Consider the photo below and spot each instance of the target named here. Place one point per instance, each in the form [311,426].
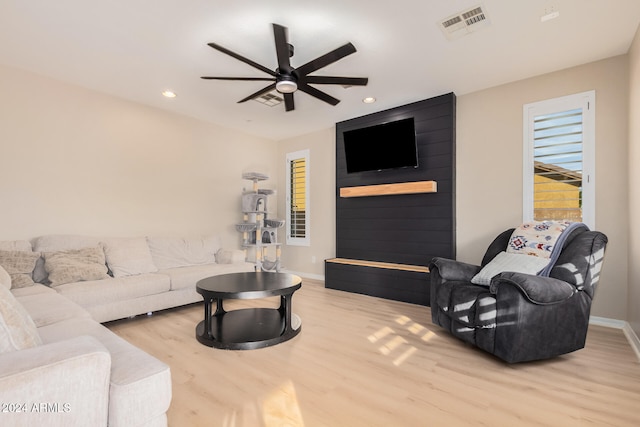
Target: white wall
[489,165]
[77,161]
[302,259]
[489,171]
[634,184]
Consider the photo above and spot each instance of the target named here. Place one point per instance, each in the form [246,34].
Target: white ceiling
[135,49]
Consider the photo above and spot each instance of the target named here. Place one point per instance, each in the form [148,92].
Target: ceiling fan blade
[282,47]
[288,102]
[251,79]
[259,93]
[326,59]
[243,59]
[323,96]
[330,80]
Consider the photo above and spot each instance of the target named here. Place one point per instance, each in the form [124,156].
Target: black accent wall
[402,229]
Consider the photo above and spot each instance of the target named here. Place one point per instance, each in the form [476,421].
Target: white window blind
[559,159]
[298,198]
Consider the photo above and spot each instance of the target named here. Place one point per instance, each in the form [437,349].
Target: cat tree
[259,233]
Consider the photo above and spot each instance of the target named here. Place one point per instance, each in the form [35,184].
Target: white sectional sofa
[58,364]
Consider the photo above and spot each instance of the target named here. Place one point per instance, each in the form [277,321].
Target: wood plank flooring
[365,361]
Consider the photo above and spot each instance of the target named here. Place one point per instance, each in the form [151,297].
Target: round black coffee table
[248,328]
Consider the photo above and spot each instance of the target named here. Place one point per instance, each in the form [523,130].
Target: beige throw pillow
[75,265]
[17,330]
[55,243]
[19,265]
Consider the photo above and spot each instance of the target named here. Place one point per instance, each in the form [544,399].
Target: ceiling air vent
[270,99]
[465,22]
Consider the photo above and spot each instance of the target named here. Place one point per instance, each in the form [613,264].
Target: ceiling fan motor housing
[286,83]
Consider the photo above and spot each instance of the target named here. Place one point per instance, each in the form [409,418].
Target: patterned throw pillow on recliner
[530,250]
[536,238]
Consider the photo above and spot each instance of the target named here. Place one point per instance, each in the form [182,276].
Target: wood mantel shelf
[390,189]
[377,264]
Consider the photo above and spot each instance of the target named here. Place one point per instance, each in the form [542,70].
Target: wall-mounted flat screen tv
[389,145]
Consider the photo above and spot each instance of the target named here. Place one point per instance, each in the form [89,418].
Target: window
[298,198]
[559,159]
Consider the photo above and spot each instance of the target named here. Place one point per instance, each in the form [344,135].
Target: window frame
[306,240]
[587,102]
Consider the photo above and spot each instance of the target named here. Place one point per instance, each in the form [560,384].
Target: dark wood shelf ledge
[390,189]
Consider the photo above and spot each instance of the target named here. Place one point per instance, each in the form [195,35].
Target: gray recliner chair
[521,317]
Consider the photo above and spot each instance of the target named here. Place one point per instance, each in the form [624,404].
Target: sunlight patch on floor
[404,356]
[281,407]
[394,344]
[403,320]
[247,415]
[381,333]
[428,335]
[230,420]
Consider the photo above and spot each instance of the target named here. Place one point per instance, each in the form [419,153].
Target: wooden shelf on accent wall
[390,189]
[377,264]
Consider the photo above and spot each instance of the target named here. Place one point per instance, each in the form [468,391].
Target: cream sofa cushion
[15,245]
[128,256]
[135,375]
[20,266]
[75,265]
[60,384]
[171,252]
[63,242]
[47,308]
[17,330]
[36,289]
[230,256]
[187,277]
[5,278]
[116,289]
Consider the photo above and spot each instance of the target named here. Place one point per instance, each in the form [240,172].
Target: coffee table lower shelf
[248,329]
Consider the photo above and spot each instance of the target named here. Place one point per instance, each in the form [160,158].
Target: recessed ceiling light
[369,100]
[169,94]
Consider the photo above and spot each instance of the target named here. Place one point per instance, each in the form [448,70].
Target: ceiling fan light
[286,86]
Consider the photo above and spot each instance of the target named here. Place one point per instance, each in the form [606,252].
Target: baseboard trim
[632,338]
[629,333]
[305,275]
[606,322]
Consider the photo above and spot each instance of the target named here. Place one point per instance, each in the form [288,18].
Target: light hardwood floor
[364,361]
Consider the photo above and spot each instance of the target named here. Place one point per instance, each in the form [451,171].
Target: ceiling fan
[287,79]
